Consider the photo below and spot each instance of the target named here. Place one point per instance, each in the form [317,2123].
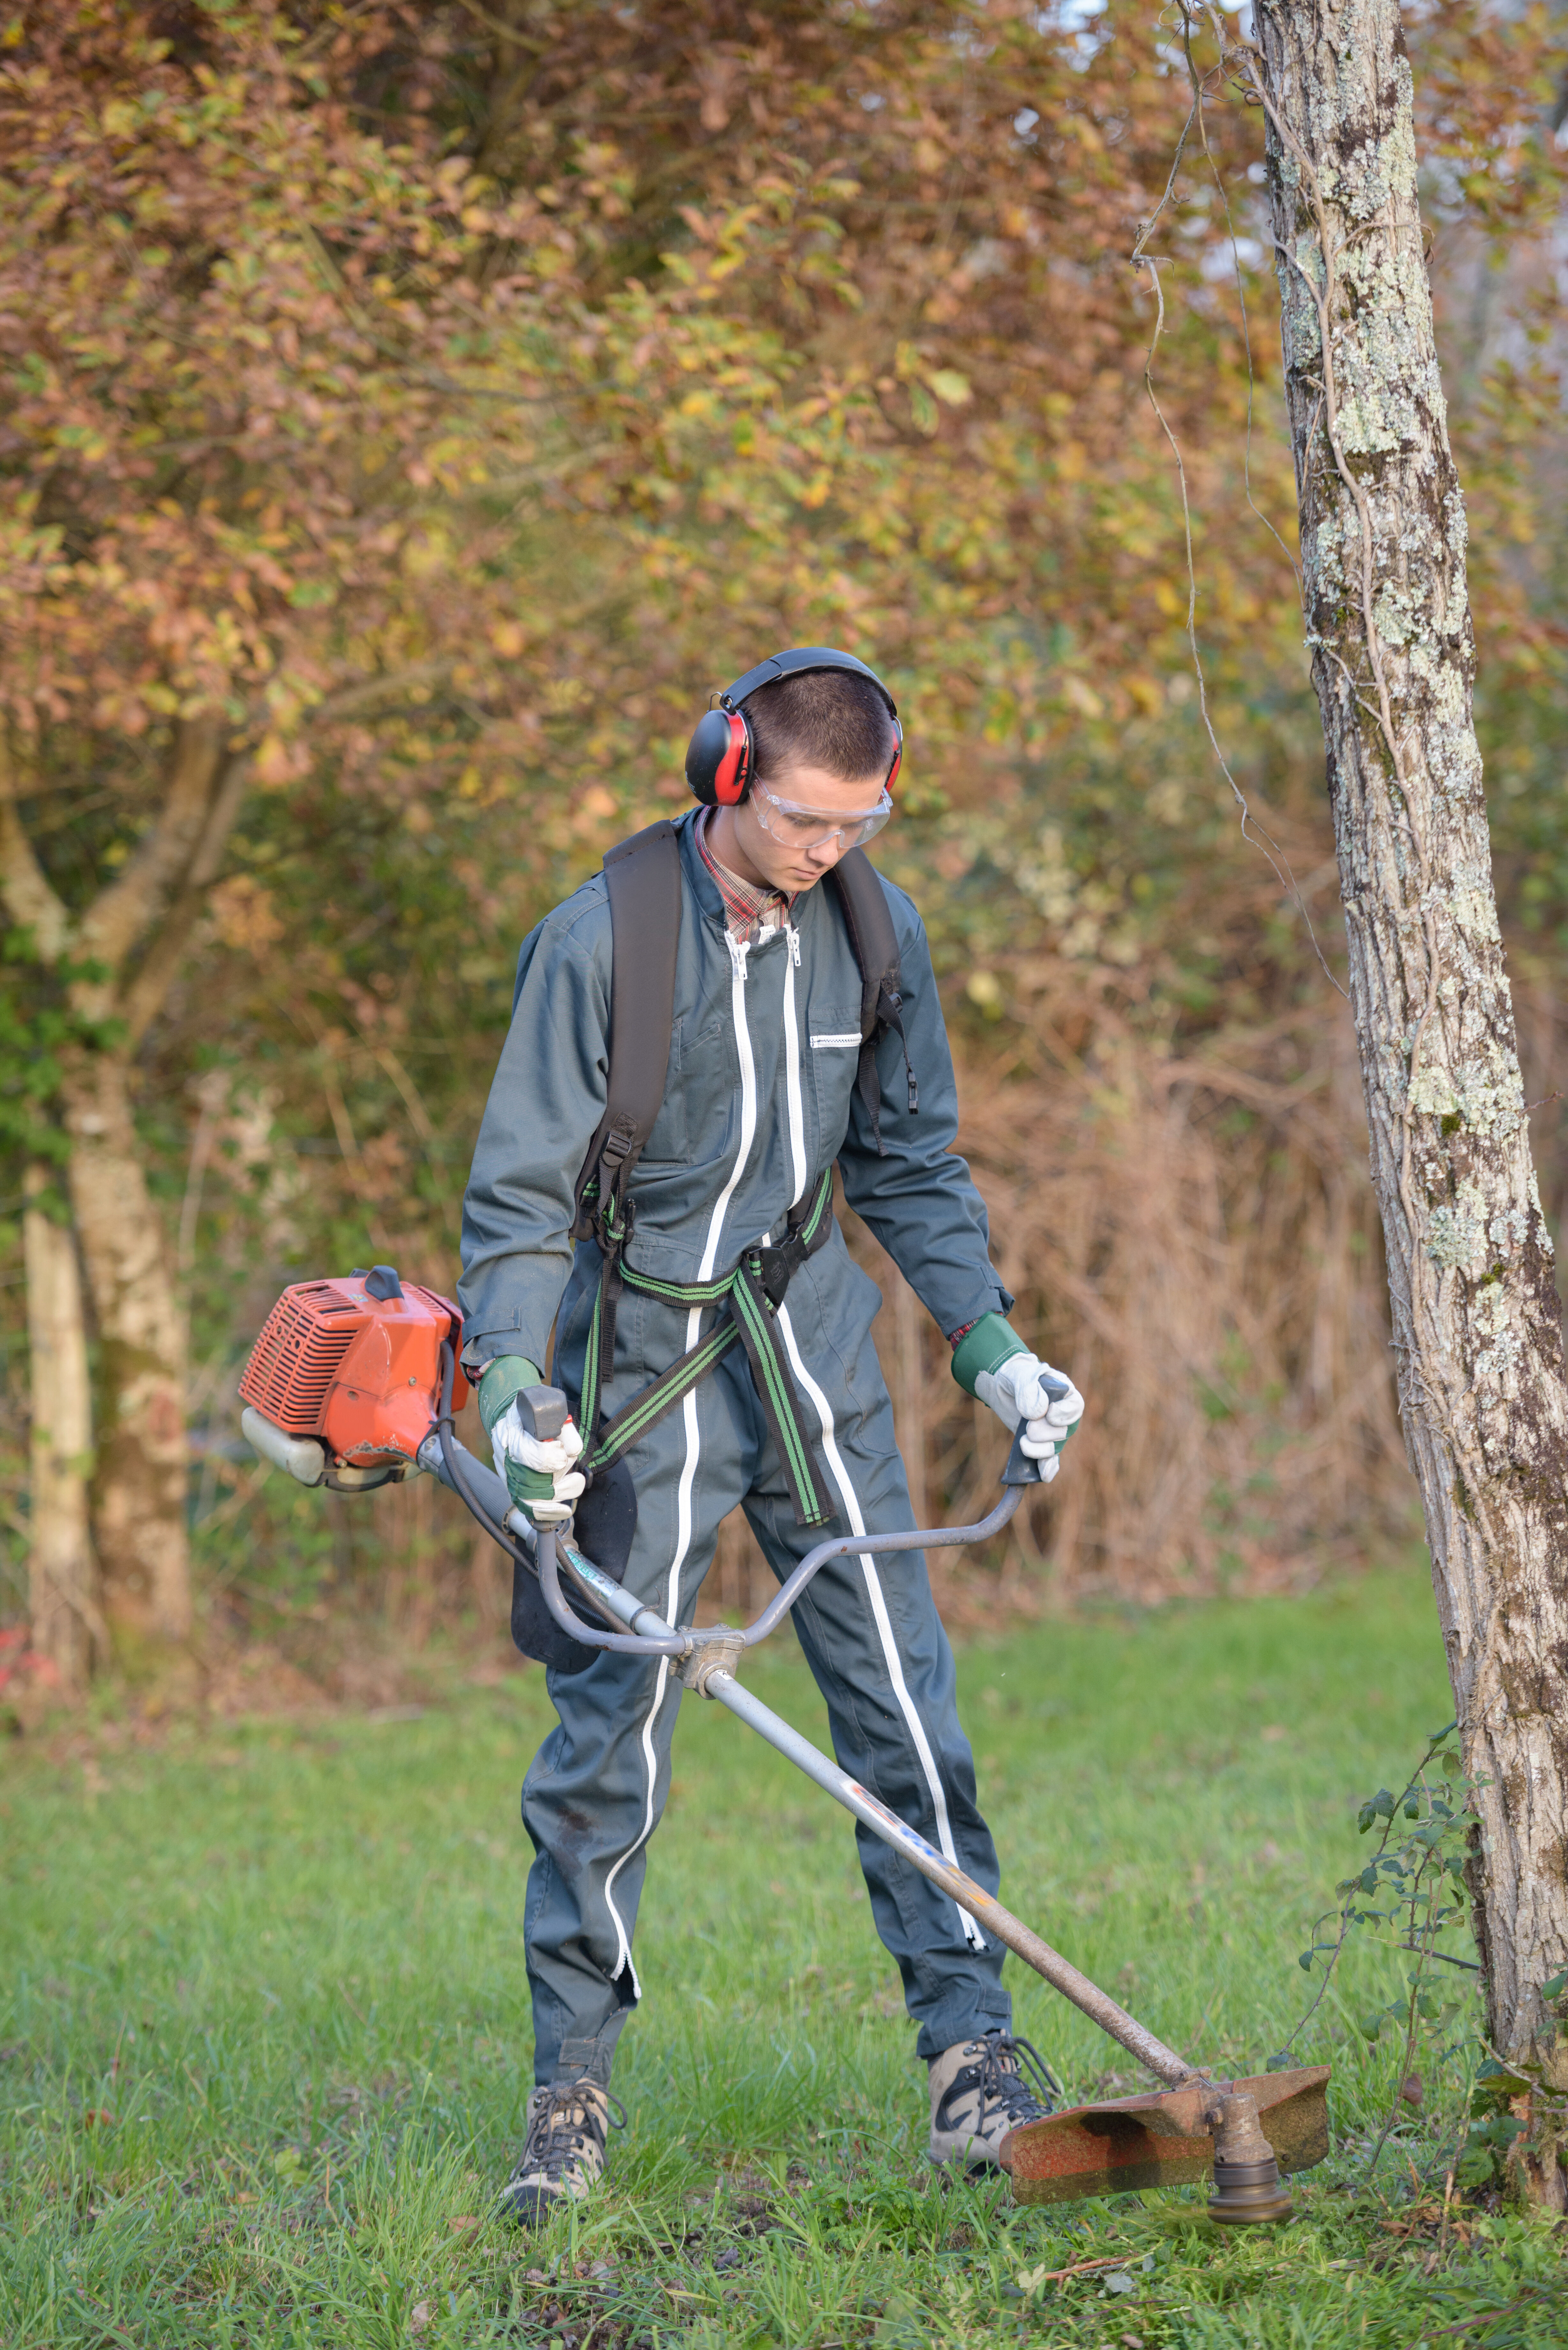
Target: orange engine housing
[360,1372]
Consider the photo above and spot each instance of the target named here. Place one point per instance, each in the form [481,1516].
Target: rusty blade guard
[1161,2139]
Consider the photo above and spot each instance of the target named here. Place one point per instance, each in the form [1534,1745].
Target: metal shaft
[1058,1972]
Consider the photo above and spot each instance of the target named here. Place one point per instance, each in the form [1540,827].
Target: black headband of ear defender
[720,755]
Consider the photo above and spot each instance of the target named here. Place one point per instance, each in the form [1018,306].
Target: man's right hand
[540,1472]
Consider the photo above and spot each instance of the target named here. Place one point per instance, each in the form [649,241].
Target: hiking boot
[563,2152]
[979,2092]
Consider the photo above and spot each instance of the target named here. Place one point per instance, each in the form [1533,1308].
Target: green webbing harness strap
[752,1291]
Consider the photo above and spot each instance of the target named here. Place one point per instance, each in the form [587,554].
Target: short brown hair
[828,718]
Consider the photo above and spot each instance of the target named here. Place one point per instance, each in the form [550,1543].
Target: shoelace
[563,2127]
[1018,2089]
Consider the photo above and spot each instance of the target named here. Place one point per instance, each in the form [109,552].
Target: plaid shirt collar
[750,909]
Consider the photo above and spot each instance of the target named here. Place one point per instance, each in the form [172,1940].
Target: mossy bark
[67,1627]
[143,1450]
[1477,1322]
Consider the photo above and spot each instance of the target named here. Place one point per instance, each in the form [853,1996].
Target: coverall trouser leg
[876,1645]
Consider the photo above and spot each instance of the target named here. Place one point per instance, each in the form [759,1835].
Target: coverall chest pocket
[832,1043]
[694,1117]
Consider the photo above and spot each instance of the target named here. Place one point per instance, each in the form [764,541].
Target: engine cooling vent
[296,1359]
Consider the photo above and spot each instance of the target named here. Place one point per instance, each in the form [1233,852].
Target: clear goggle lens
[794,826]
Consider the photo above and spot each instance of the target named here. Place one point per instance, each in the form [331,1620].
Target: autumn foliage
[413,412]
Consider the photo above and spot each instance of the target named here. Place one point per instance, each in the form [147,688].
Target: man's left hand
[1027,1393]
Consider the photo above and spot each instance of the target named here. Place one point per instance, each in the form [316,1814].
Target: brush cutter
[354,1382]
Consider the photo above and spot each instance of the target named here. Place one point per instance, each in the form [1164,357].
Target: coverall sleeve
[544,1105]
[920,1199]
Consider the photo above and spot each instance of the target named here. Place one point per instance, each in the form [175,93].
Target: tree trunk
[125,948]
[143,1454]
[1477,1323]
[67,1627]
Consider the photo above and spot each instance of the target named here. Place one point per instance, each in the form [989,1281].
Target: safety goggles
[794,826]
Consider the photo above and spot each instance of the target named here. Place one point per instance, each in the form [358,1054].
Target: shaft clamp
[716,1650]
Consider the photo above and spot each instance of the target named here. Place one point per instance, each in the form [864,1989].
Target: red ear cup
[719,758]
[898,757]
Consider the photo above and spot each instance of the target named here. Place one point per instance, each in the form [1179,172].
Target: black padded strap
[801,658]
[642,876]
[875,945]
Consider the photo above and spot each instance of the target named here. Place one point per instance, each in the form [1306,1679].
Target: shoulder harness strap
[875,945]
[642,876]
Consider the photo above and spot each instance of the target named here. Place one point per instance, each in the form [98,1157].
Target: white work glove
[1018,1395]
[554,1457]
[539,1472]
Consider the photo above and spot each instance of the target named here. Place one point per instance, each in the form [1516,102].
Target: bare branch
[124,912]
[30,897]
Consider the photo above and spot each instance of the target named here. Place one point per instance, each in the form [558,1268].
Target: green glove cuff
[527,1485]
[506,1378]
[992,1342]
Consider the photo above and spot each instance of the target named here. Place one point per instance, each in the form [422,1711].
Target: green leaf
[1281,2061]
[1372,2026]
[1556,1985]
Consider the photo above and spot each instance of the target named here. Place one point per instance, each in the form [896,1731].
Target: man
[766,1092]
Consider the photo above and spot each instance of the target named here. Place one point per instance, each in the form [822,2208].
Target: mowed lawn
[265,2031]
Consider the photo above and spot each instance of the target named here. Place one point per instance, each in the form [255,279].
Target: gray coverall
[760,1100]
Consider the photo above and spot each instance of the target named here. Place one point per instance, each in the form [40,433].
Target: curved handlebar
[542,1549]
[655,1637]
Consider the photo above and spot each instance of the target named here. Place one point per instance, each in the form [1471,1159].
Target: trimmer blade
[1161,2140]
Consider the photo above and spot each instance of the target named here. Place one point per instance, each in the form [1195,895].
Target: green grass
[267,2039]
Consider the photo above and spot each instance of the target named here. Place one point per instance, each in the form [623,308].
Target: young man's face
[762,841]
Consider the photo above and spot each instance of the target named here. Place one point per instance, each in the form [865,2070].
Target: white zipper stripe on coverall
[846,1493]
[739,949]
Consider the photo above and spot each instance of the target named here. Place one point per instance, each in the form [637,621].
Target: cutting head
[1167,2139]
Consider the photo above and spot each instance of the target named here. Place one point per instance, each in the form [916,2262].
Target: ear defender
[719,758]
[722,753]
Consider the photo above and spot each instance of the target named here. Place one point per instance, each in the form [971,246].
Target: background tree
[264,364]
[1477,1331]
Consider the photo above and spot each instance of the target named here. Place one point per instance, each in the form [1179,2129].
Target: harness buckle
[618,1142]
[776,1268]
